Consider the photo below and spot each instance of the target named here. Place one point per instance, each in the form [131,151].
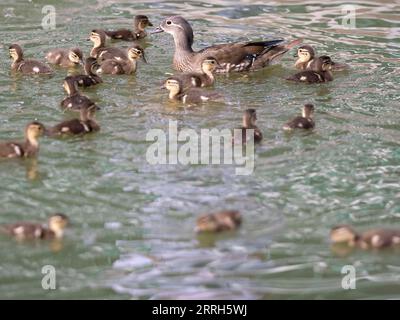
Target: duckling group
[196,70]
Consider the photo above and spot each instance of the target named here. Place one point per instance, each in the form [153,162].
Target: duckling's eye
[169,22]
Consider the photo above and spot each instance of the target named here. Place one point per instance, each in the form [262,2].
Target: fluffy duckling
[30,230]
[322,73]
[248,122]
[227,220]
[196,79]
[86,124]
[75,100]
[191,95]
[371,239]
[129,66]
[100,51]
[305,121]
[66,58]
[28,148]
[26,66]
[140,23]
[90,78]
[307,60]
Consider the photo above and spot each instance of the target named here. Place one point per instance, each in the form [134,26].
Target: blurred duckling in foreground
[28,148]
[307,60]
[30,230]
[66,58]
[190,95]
[128,66]
[86,124]
[248,123]
[305,121]
[90,78]
[26,66]
[322,72]
[140,23]
[371,239]
[75,100]
[227,220]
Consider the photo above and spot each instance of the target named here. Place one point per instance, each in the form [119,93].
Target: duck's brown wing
[307,76]
[112,53]
[34,67]
[299,123]
[76,102]
[23,229]
[70,127]
[54,56]
[189,79]
[111,66]
[121,34]
[86,81]
[11,150]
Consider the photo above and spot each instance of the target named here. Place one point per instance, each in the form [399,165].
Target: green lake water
[132,235]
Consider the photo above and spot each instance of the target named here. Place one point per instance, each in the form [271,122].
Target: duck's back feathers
[32,67]
[11,150]
[299,123]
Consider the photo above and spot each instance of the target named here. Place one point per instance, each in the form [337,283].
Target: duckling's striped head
[34,130]
[135,53]
[308,110]
[69,85]
[140,22]
[172,84]
[15,52]
[209,64]
[75,55]
[91,65]
[343,234]
[98,37]
[305,53]
[57,223]
[249,118]
[325,63]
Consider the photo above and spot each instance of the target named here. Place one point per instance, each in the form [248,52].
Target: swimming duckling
[195,79]
[30,230]
[100,51]
[89,78]
[249,122]
[128,66]
[305,121]
[307,60]
[371,239]
[86,124]
[191,95]
[75,100]
[26,66]
[28,148]
[227,220]
[322,72]
[65,58]
[140,23]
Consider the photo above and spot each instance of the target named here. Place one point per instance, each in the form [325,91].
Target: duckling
[307,60]
[191,95]
[140,23]
[65,58]
[233,57]
[128,66]
[75,100]
[86,124]
[26,66]
[371,239]
[30,230]
[322,72]
[204,79]
[89,78]
[226,220]
[100,51]
[249,122]
[28,148]
[305,121]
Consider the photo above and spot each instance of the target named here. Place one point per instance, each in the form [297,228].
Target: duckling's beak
[88,39]
[144,58]
[157,30]
[81,63]
[296,55]
[149,24]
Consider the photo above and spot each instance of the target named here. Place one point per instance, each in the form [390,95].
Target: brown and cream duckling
[86,124]
[204,79]
[30,230]
[305,121]
[100,51]
[28,148]
[232,57]
[307,60]
[190,95]
[129,66]
[26,66]
[65,58]
[322,72]
[75,100]
[140,22]
[227,220]
[90,78]
[248,122]
[371,239]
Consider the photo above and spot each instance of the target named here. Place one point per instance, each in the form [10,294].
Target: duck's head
[343,234]
[173,85]
[33,131]
[249,118]
[220,221]
[308,110]
[69,85]
[15,52]
[209,64]
[324,63]
[57,223]
[90,65]
[98,37]
[140,22]
[136,52]
[305,53]
[75,55]
[178,27]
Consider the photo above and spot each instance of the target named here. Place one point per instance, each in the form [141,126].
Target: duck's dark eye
[169,22]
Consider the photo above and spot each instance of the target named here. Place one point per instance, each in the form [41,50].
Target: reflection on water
[132,223]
